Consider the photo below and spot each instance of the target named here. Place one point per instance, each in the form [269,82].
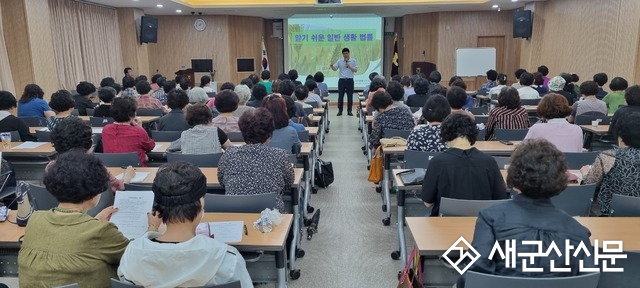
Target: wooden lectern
[422,67]
[188,74]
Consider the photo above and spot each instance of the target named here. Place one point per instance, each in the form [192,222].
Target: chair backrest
[120,284]
[119,159]
[481,135]
[89,111]
[587,118]
[479,110]
[576,160]
[149,112]
[100,121]
[481,119]
[575,200]
[15,136]
[503,162]
[510,134]
[75,112]
[625,206]
[235,137]
[40,198]
[461,207]
[418,159]
[622,279]
[303,136]
[239,203]
[106,199]
[481,280]
[165,136]
[200,160]
[308,111]
[532,102]
[34,121]
[136,187]
[42,136]
[314,104]
[211,94]
[415,109]
[388,133]
[235,284]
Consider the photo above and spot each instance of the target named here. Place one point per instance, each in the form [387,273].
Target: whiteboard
[475,61]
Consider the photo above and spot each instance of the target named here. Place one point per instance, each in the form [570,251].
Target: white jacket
[198,262]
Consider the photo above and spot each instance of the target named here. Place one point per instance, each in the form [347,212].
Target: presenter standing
[347,66]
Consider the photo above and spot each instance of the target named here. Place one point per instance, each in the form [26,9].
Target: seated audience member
[226,103]
[569,88]
[106,96]
[118,89]
[538,84]
[145,100]
[323,89]
[197,95]
[601,79]
[244,94]
[462,171]
[574,81]
[128,86]
[615,98]
[468,104]
[284,136]
[82,101]
[405,81]
[293,76]
[378,84]
[154,82]
[537,172]
[313,96]
[434,79]
[258,93]
[160,93]
[203,137]
[525,91]
[179,256]
[65,245]
[544,70]
[286,87]
[256,168]
[492,75]
[554,108]
[389,117]
[185,84]
[8,122]
[632,96]
[302,94]
[508,114]
[126,134]
[590,104]
[205,83]
[558,85]
[501,80]
[427,137]
[457,98]
[518,73]
[32,104]
[107,82]
[421,86]
[297,123]
[175,120]
[616,171]
[265,77]
[397,92]
[253,79]
[365,89]
[62,103]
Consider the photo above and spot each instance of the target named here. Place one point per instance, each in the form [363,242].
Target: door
[498,43]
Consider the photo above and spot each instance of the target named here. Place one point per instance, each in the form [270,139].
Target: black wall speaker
[149,29]
[522,24]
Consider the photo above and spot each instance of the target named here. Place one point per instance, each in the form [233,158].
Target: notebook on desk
[412,176]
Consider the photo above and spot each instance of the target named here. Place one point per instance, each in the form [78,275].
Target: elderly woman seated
[64,245]
[389,117]
[62,103]
[284,136]
[537,172]
[203,138]
[226,104]
[616,171]
[244,94]
[179,257]
[256,168]
[126,134]
[427,137]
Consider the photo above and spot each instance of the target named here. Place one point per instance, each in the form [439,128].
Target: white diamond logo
[471,254]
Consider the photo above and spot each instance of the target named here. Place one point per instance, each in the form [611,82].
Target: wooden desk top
[483,97]
[144,119]
[313,131]
[318,111]
[484,146]
[306,149]
[44,150]
[600,129]
[32,130]
[434,235]
[314,118]
[210,173]
[254,241]
[369,118]
[363,103]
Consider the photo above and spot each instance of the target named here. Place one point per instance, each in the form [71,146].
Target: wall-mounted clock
[200,25]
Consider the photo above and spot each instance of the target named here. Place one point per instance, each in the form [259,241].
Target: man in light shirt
[347,67]
[525,91]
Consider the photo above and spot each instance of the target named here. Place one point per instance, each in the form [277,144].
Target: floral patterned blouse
[426,138]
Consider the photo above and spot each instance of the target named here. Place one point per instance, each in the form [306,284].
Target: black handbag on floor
[323,173]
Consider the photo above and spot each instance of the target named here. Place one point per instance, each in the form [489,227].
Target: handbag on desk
[376,169]
[412,274]
[393,141]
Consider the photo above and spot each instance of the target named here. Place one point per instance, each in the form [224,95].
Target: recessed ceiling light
[495,6]
[178,11]
[514,0]
[159,6]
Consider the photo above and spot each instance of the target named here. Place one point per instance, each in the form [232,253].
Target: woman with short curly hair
[62,103]
[554,108]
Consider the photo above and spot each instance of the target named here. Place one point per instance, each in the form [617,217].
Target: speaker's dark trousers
[345,85]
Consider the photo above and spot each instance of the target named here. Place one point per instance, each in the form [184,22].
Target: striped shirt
[505,118]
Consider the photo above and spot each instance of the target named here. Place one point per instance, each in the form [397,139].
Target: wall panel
[419,34]
[16,31]
[134,54]
[245,38]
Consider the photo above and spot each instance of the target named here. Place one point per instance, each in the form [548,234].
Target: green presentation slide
[315,43]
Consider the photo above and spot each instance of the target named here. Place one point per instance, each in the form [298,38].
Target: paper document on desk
[29,145]
[45,129]
[140,176]
[157,147]
[131,218]
[225,231]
